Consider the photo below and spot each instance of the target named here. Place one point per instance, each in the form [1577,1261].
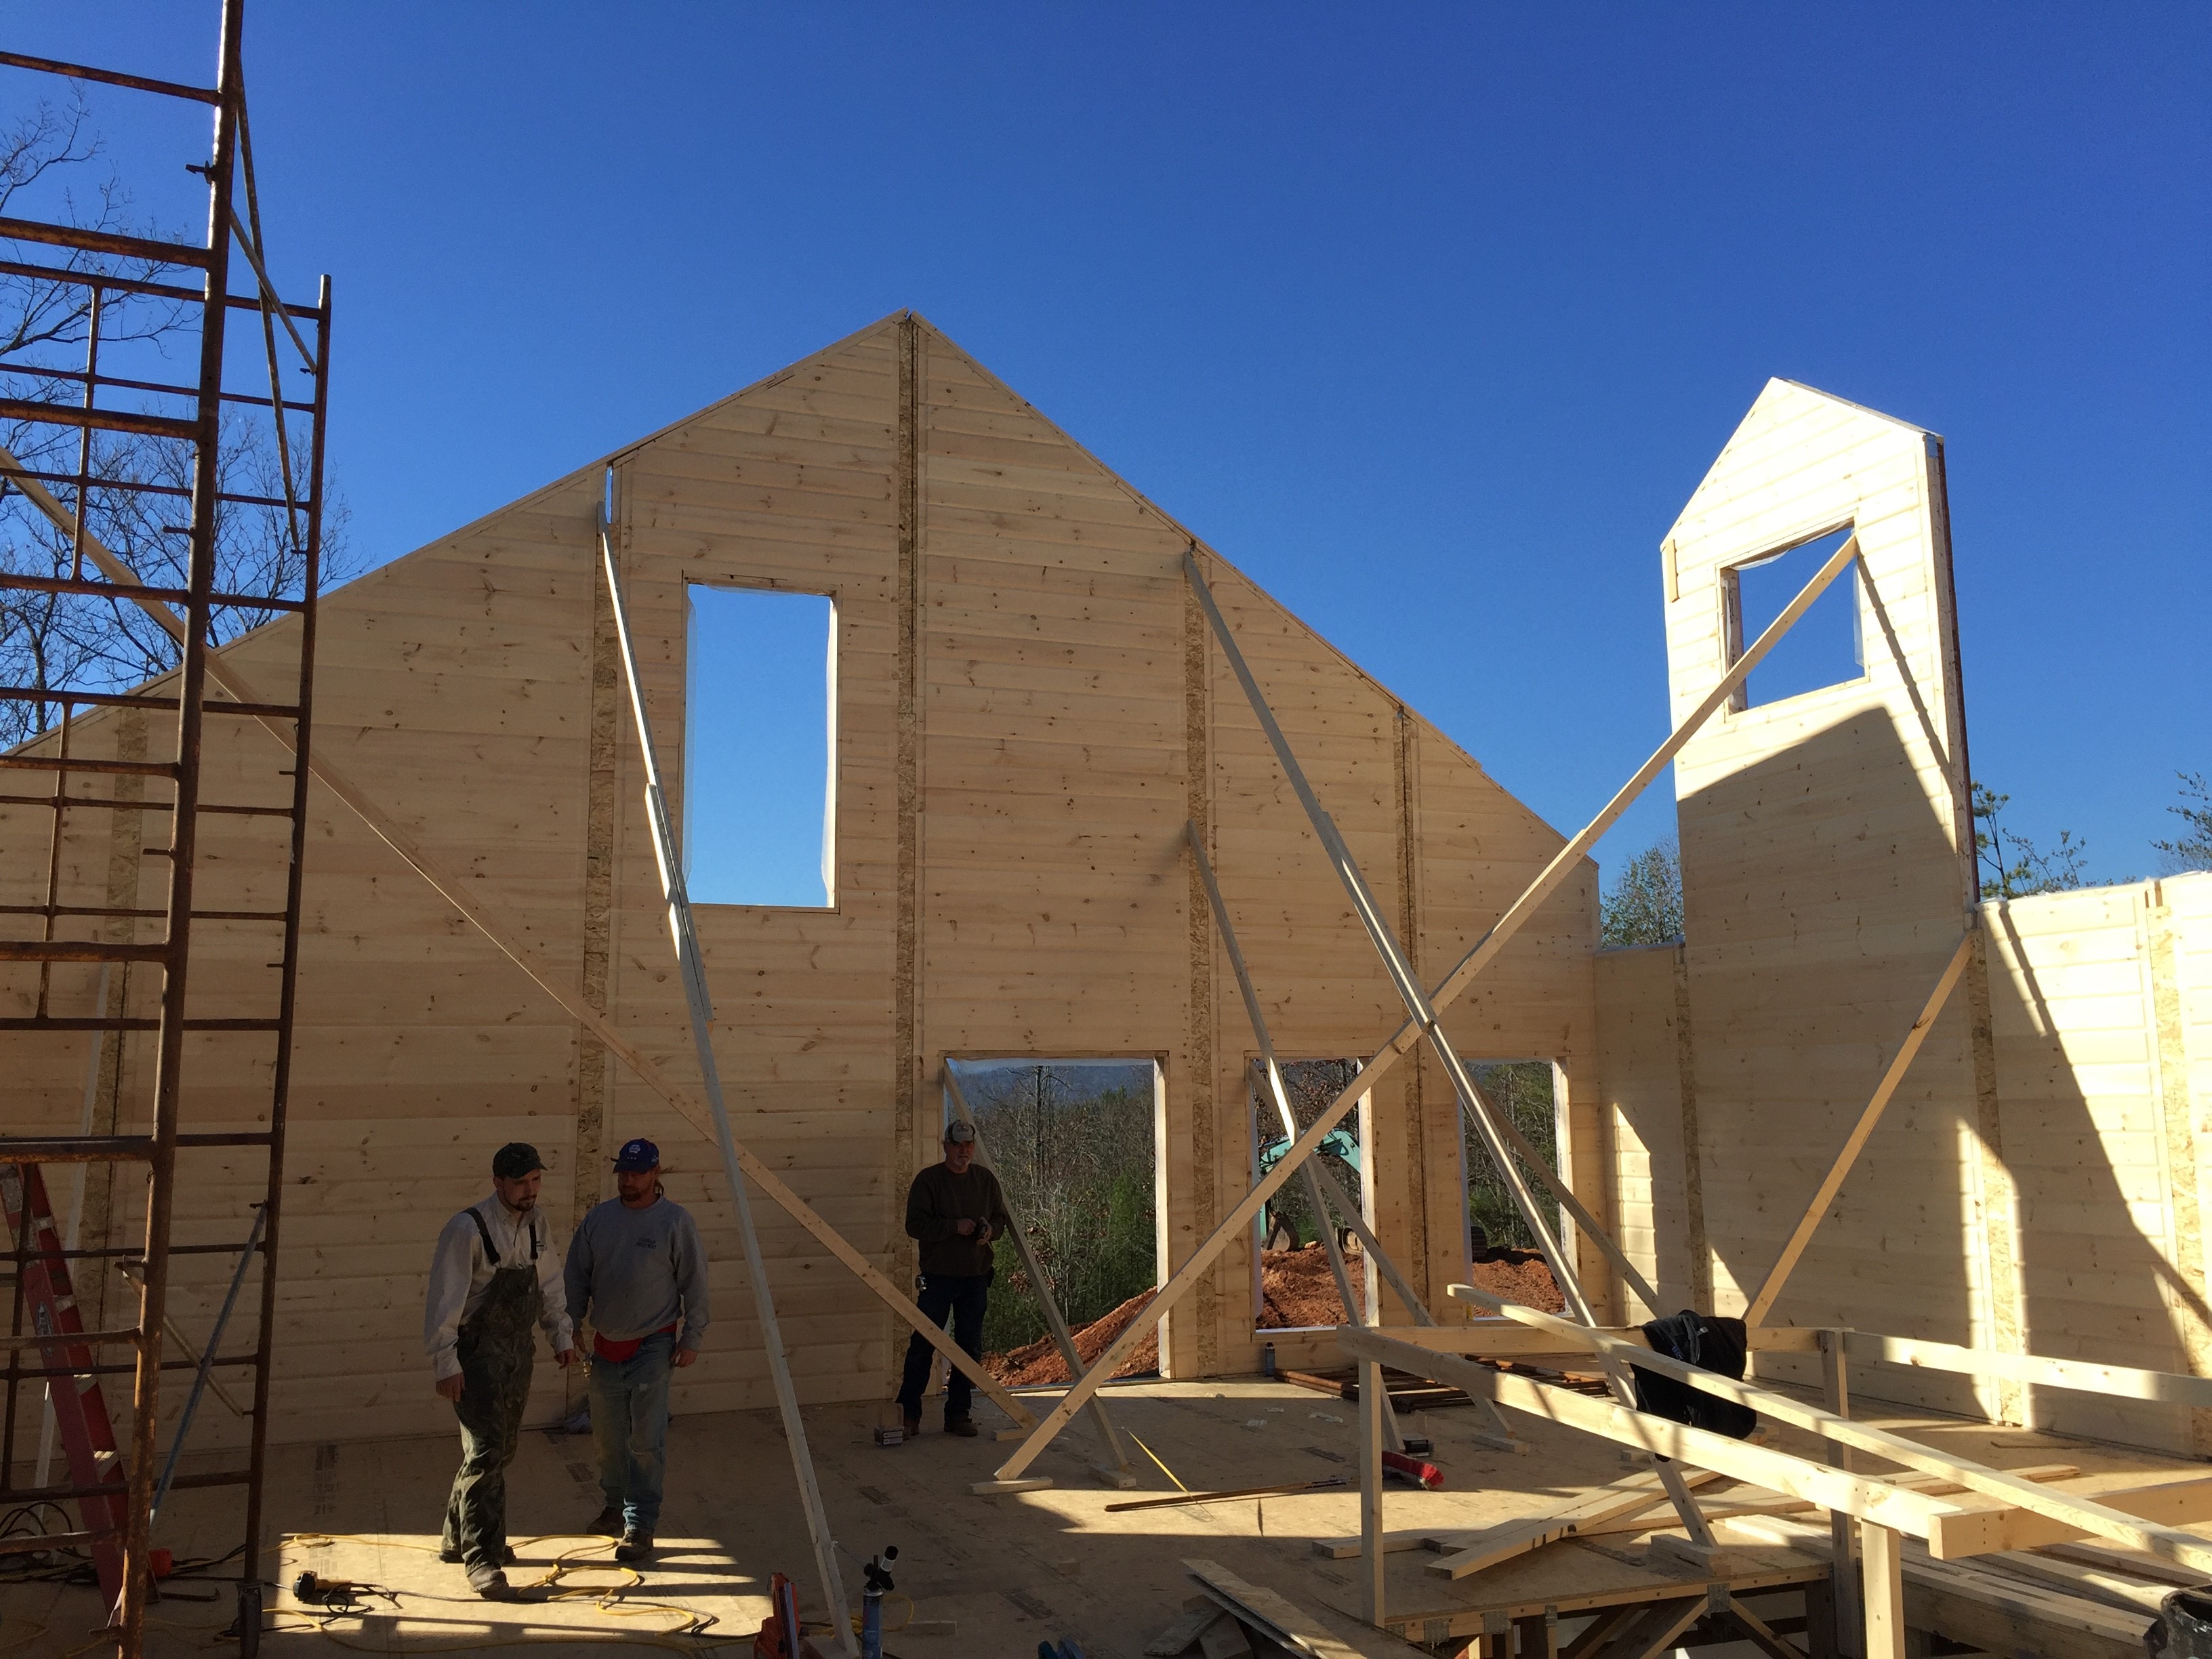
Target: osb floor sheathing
[1008,1571]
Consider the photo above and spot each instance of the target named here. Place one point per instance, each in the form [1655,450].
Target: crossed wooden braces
[1497,1132]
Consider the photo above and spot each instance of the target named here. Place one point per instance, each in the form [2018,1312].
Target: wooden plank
[1504,1338]
[1373,1577]
[1881,1571]
[2112,1381]
[1741,1460]
[1973,1602]
[2073,1516]
[1981,1529]
[1297,1631]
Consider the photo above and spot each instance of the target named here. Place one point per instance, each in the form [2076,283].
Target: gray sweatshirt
[639,1271]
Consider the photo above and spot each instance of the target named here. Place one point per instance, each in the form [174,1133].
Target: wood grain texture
[1022,730]
[2037,1184]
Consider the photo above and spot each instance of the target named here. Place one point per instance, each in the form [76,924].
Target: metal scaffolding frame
[162,938]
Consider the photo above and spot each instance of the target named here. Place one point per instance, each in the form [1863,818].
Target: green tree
[1073,1147]
[2012,866]
[52,168]
[1646,904]
[1522,1089]
[2192,850]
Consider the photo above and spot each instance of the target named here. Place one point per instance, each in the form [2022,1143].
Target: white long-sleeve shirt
[460,1277]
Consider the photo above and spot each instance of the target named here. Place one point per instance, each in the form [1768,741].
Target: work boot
[490,1582]
[912,1421]
[607,1523]
[963,1426]
[636,1546]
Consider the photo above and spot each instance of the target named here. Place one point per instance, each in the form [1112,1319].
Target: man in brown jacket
[955,1209]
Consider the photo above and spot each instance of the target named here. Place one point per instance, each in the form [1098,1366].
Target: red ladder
[87,1436]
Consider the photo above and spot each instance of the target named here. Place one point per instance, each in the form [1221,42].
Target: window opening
[1292,1286]
[760,747]
[1072,1142]
[1526,1092]
[1826,647]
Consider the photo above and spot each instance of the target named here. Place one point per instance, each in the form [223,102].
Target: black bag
[1710,1345]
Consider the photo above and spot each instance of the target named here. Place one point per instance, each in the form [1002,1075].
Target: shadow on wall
[2096,1287]
[1822,901]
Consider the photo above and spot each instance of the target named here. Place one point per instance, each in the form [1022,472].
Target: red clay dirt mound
[1038,1362]
[1296,1288]
[1520,1276]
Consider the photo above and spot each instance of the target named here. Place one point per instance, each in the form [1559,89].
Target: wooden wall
[1029,708]
[2033,1185]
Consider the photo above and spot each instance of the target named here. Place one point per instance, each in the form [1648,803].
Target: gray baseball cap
[958,1134]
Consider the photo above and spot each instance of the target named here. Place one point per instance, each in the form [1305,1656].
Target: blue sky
[1431,322]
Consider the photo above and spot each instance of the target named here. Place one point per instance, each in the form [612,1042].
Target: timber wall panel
[2048,1202]
[1057,684]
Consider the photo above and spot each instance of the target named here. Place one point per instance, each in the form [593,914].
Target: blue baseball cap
[639,1154]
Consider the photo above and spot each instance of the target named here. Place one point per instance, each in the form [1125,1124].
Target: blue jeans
[629,1427]
[964,1297]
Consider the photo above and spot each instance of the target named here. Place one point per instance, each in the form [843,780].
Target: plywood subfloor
[1008,1571]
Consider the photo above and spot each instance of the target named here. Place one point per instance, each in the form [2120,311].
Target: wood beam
[2086,1376]
[2077,1513]
[1881,1570]
[1741,1460]
[1482,1114]
[1485,1116]
[691,968]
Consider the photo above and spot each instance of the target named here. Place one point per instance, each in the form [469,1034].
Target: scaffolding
[69,941]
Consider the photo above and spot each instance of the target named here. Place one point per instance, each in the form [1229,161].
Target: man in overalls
[494,1274]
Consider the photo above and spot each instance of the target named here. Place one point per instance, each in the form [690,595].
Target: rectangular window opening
[1527,1093]
[760,747]
[1824,647]
[1293,1286]
[1072,1143]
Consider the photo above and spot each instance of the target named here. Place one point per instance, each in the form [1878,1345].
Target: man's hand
[964,1227]
[685,1357]
[564,1358]
[449,1388]
[983,1232]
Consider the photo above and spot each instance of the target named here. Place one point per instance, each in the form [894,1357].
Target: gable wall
[1028,710]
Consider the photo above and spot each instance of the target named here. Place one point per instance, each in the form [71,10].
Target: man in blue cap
[637,1267]
[494,1274]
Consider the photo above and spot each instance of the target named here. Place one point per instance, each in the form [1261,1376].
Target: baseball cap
[516,1158]
[959,1133]
[639,1154]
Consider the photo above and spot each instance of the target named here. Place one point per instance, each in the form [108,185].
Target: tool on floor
[877,1575]
[1164,1469]
[49,1302]
[1426,1475]
[779,1635]
[338,1594]
[1288,1491]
